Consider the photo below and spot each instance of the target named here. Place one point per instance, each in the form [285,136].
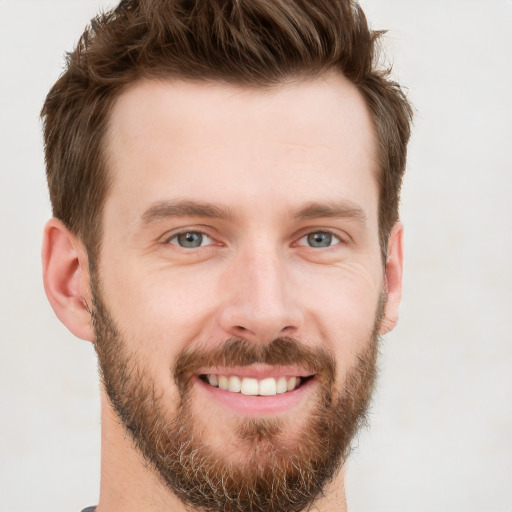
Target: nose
[260,302]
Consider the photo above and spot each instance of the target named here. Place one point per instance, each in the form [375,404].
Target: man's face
[240,249]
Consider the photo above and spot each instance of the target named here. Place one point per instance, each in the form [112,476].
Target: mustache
[284,351]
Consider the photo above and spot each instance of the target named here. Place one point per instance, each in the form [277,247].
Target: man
[225,180]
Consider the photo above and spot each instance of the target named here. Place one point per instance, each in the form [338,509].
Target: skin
[264,157]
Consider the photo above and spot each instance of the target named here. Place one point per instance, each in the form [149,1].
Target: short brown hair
[255,43]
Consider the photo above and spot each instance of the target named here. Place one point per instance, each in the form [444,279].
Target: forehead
[219,143]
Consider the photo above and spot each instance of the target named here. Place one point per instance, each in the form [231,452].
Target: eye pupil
[319,239]
[190,239]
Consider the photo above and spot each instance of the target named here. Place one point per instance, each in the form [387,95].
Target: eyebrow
[166,209]
[331,209]
[310,211]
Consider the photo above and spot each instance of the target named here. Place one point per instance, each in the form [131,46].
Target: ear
[394,270]
[66,278]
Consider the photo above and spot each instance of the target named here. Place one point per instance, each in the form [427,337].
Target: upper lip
[256,371]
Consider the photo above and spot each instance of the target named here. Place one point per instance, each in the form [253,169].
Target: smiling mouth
[254,387]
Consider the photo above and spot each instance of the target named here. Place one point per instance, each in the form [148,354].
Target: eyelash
[175,236]
[336,236]
[321,231]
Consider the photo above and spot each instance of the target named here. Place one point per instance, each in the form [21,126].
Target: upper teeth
[250,386]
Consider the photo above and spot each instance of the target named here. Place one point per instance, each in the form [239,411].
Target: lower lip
[248,405]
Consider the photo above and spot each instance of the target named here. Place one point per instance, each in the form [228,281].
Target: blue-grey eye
[190,239]
[319,239]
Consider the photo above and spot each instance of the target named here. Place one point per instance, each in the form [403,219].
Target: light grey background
[441,434]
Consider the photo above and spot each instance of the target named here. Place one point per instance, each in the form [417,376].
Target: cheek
[343,303]
[159,311]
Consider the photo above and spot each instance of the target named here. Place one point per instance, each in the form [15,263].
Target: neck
[129,484]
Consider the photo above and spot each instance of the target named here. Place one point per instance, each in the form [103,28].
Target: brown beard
[275,474]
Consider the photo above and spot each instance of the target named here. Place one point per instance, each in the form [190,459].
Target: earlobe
[66,278]
[394,270]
